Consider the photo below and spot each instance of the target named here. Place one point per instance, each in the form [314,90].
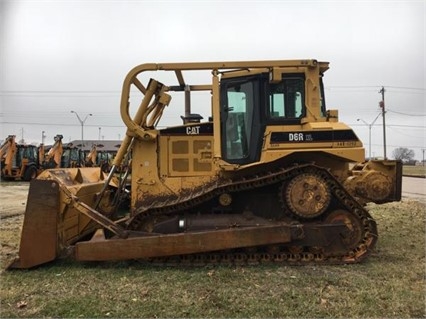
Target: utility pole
[423,161]
[22,135]
[382,106]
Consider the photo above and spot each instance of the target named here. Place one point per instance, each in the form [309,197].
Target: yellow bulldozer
[270,176]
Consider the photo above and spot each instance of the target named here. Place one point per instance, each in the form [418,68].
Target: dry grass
[391,283]
[414,170]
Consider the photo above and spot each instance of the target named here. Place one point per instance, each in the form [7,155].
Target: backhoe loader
[271,176]
[97,157]
[18,161]
[54,155]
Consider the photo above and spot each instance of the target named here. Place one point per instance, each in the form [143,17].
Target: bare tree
[404,154]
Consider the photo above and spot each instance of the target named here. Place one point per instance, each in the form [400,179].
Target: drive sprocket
[307,195]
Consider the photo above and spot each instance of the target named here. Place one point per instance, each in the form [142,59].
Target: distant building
[101,145]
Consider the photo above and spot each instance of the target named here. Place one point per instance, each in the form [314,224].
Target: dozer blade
[39,232]
[59,213]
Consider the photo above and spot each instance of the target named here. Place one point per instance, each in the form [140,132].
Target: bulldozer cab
[250,103]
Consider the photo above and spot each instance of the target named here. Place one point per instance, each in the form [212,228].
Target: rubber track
[274,254]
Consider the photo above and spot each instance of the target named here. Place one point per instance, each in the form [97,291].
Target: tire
[105,168]
[30,173]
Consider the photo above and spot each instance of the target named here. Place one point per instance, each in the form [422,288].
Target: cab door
[242,124]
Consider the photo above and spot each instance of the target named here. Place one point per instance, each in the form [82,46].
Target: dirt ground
[12,207]
[13,198]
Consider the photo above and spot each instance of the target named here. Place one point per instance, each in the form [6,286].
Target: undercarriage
[281,216]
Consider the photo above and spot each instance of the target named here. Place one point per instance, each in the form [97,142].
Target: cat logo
[192,130]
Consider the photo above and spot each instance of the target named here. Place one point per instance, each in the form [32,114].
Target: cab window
[286,99]
[238,122]
[240,119]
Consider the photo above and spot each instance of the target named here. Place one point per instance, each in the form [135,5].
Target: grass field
[389,284]
[414,170]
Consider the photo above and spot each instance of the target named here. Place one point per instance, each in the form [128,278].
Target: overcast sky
[58,56]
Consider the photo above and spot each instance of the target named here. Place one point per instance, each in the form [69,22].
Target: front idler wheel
[353,236]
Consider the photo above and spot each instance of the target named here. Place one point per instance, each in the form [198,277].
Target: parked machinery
[54,155]
[99,157]
[271,176]
[18,161]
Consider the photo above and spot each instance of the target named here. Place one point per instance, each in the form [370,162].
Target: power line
[96,125]
[404,132]
[369,89]
[407,114]
[393,125]
[352,86]
[85,93]
[58,92]
[408,146]
[121,126]
[59,124]
[406,88]
[372,86]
